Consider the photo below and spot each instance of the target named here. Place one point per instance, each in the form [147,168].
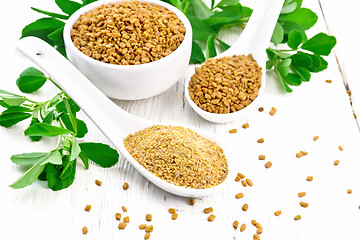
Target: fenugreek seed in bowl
[223,87]
[129,49]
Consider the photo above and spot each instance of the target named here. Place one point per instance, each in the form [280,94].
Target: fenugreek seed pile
[128,33]
[179,156]
[226,84]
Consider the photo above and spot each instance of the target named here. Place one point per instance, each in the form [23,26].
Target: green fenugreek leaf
[84,159]
[197,55]
[75,150]
[210,47]
[320,44]
[34,121]
[54,158]
[41,28]
[294,39]
[30,176]
[31,80]
[46,130]
[28,159]
[100,154]
[51,14]
[302,16]
[11,118]
[67,6]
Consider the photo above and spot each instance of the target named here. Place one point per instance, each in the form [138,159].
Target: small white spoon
[254,39]
[113,121]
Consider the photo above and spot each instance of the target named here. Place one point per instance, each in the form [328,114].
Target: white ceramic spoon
[113,121]
[254,39]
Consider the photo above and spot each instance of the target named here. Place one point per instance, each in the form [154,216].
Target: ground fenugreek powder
[226,84]
[128,33]
[179,156]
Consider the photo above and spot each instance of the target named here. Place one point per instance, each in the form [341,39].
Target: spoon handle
[109,117]
[258,31]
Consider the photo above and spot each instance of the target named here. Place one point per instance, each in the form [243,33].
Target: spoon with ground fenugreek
[185,161]
[230,86]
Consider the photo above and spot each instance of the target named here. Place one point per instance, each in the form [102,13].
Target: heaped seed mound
[178,155]
[226,84]
[128,33]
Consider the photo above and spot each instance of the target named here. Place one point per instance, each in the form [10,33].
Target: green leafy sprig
[304,56]
[52,118]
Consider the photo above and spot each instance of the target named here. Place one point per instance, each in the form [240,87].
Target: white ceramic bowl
[131,82]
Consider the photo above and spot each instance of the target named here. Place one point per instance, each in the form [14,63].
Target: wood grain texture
[314,108]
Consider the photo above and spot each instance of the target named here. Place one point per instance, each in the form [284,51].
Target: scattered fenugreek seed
[261,157]
[211,217]
[172,210]
[142,226]
[237,178]
[309,178]
[208,210]
[233,130]
[328,81]
[301,153]
[272,111]
[235,224]
[126,219]
[148,217]
[124,209]
[261,109]
[246,125]
[122,225]
[349,191]
[336,162]
[242,227]
[297,217]
[239,195]
[304,204]
[341,148]
[191,201]
[249,182]
[88,208]
[174,216]
[253,222]
[117,216]
[200,163]
[98,182]
[316,138]
[85,230]
[268,164]
[243,183]
[149,228]
[245,207]
[277,213]
[147,235]
[256,237]
[125,186]
[260,140]
[242,176]
[259,230]
[301,194]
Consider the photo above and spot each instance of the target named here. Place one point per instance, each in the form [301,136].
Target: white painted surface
[315,108]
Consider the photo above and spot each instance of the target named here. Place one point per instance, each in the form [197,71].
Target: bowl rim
[69,46]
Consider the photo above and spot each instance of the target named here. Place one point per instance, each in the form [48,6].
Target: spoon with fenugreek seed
[230,86]
[185,161]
